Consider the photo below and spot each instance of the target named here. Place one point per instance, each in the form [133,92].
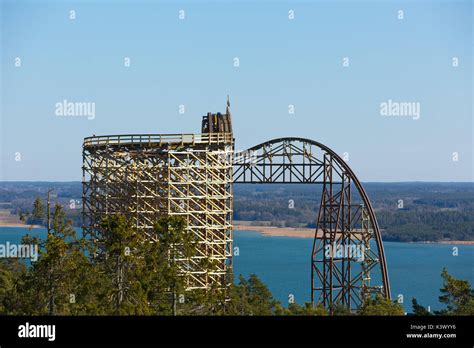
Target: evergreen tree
[11,271]
[339,309]
[457,294]
[379,305]
[122,263]
[37,215]
[252,297]
[419,309]
[306,309]
[56,283]
[171,250]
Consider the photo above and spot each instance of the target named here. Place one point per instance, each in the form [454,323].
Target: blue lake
[283,263]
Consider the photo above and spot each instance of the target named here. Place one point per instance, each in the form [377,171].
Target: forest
[406,212]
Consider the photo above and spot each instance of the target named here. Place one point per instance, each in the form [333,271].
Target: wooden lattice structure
[144,177]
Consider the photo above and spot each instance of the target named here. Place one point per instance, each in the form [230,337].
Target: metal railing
[126,139]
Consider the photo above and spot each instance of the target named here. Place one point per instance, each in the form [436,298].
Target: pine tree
[123,265]
[37,215]
[171,250]
[306,309]
[457,294]
[419,309]
[252,297]
[56,284]
[380,306]
[11,271]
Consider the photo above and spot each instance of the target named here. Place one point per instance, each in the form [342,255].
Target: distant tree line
[430,212]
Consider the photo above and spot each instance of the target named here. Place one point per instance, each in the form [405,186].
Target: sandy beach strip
[301,232]
[10,220]
[277,231]
[18,224]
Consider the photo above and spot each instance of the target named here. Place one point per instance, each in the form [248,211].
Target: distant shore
[11,220]
[18,224]
[272,231]
[463,242]
[302,232]
[269,231]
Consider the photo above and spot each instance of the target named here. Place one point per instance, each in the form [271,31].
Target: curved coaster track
[347,260]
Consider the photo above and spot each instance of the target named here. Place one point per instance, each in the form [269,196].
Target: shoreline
[453,242]
[270,231]
[302,232]
[14,224]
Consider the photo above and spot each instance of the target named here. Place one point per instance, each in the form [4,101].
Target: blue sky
[283,62]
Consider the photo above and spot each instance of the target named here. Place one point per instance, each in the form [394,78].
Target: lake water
[283,263]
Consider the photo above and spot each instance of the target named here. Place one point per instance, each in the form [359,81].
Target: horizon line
[274,183]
